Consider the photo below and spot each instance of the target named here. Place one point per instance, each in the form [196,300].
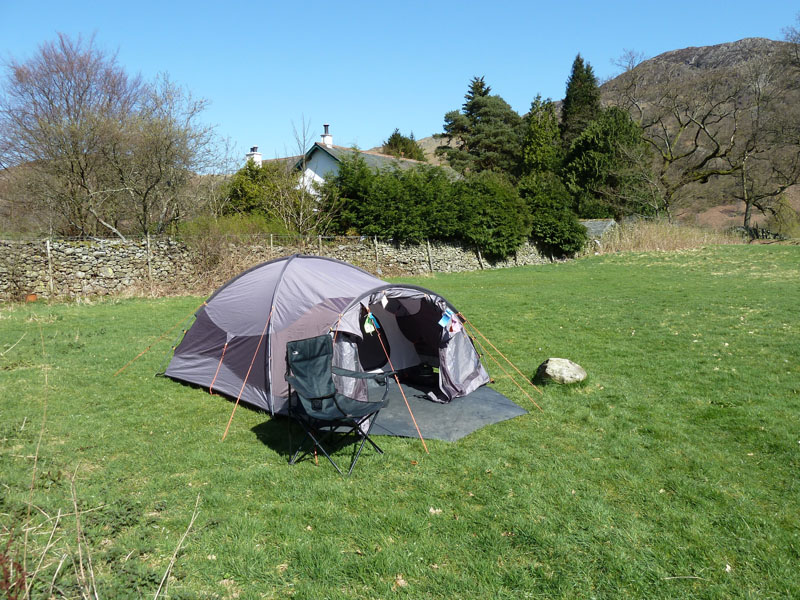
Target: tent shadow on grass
[448,422]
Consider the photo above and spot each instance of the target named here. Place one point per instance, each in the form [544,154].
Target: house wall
[317,168]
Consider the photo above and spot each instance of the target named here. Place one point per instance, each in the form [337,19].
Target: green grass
[671,472]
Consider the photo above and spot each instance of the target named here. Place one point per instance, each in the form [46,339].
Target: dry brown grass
[650,236]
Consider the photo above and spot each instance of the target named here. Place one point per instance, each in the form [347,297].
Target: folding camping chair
[316,405]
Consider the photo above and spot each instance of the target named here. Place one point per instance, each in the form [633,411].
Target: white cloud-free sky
[369,67]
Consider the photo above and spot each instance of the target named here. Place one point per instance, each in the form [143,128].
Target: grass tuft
[660,236]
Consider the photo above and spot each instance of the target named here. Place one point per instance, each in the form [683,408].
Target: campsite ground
[670,472]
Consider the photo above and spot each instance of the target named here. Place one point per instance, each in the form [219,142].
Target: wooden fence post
[50,283]
[430,259]
[149,261]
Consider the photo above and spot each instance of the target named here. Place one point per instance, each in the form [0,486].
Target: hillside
[715,58]
[715,86]
[428,145]
[710,74]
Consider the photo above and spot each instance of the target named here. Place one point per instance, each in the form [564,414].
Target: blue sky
[369,67]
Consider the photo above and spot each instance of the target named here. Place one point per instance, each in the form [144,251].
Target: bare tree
[210,190]
[57,113]
[766,154]
[292,197]
[301,207]
[103,152]
[689,119]
[726,114]
[791,35]
[156,152]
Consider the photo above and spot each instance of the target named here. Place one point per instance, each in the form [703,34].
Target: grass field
[673,471]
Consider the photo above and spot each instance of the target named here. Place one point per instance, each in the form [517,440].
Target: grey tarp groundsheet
[448,422]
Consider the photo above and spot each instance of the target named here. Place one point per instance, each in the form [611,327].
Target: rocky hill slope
[721,65]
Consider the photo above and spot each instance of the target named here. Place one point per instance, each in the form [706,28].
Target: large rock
[560,370]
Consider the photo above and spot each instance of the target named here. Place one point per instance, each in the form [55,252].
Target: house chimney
[253,155]
[327,138]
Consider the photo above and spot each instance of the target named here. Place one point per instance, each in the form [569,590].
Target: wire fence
[275,238]
[69,266]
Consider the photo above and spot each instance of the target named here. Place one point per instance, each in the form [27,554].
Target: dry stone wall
[69,268]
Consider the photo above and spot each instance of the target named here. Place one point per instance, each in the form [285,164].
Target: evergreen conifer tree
[581,101]
[541,148]
[403,147]
[485,135]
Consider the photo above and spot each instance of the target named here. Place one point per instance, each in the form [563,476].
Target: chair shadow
[274,433]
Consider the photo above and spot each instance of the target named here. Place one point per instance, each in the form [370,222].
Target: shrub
[210,236]
[554,229]
[491,215]
[785,220]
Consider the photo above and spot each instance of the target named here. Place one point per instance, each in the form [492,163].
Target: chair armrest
[379,377]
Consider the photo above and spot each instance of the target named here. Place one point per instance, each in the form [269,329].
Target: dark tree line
[481,210]
[403,147]
[518,177]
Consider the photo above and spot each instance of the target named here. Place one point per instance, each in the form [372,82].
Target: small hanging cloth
[371,323]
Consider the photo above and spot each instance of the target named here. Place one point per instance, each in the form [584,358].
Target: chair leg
[374,445]
[315,443]
[365,438]
[355,458]
[315,440]
[372,420]
[303,442]
[291,426]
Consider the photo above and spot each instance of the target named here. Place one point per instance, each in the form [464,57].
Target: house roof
[372,159]
[596,228]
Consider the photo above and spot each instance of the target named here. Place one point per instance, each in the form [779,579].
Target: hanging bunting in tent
[371,323]
[455,326]
[446,318]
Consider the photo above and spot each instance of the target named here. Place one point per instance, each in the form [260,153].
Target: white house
[323,158]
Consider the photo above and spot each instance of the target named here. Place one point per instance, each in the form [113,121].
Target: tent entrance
[409,333]
[415,339]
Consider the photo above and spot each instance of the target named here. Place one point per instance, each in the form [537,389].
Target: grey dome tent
[237,343]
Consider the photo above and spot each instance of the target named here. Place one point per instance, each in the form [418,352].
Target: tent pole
[214,380]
